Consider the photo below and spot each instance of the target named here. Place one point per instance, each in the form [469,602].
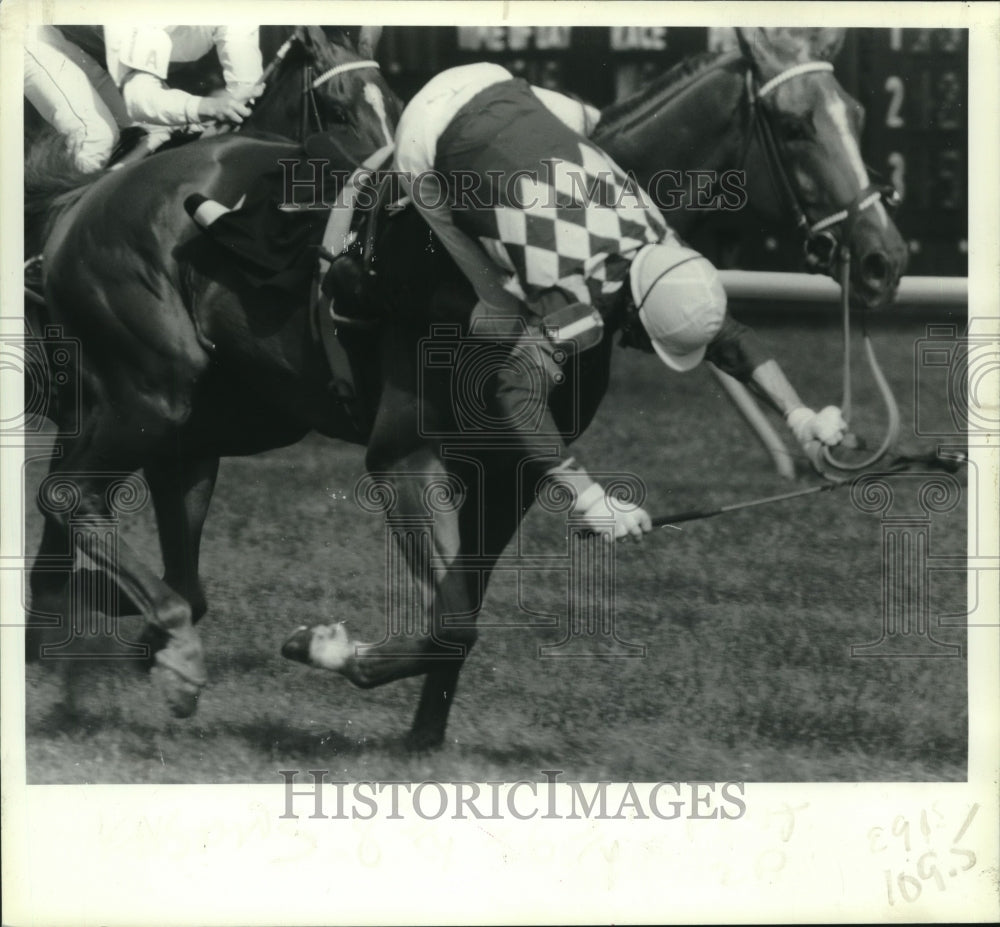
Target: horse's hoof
[322,646]
[184,655]
[297,645]
[182,674]
[180,694]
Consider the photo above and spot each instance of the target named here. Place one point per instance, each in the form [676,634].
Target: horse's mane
[52,184]
[668,85]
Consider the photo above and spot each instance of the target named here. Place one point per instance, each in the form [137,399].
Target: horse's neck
[699,127]
[279,111]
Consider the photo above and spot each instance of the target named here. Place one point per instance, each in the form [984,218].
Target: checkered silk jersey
[547,205]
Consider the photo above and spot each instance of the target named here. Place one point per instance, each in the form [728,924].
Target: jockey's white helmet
[680,300]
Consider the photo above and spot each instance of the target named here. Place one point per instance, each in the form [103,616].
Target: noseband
[823,248]
[310,86]
[310,111]
[821,244]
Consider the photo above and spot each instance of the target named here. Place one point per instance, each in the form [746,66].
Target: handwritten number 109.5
[909,887]
[927,868]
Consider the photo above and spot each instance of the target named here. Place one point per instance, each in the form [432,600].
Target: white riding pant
[74,95]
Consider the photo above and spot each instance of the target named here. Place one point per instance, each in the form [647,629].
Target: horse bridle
[836,250]
[820,230]
[310,111]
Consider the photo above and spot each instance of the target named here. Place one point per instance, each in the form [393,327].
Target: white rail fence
[943,292]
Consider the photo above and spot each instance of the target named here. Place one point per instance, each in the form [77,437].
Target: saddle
[330,254]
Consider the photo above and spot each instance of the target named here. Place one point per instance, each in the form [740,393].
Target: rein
[833,250]
[310,109]
[309,88]
[889,400]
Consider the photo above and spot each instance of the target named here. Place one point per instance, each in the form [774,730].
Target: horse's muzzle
[878,259]
[876,280]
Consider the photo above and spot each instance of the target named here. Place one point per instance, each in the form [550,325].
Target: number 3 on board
[897,168]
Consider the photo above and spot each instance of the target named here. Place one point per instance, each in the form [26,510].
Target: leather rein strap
[837,250]
[310,84]
[885,390]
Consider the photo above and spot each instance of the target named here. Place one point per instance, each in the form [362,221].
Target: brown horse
[313,85]
[185,363]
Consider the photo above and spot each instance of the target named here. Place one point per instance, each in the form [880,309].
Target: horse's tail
[52,183]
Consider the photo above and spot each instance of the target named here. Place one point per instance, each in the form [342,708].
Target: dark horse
[313,86]
[184,362]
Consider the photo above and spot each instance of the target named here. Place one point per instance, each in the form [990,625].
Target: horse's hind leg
[182,489]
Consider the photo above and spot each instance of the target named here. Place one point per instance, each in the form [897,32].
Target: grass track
[747,620]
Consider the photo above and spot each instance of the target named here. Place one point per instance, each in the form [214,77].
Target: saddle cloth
[292,248]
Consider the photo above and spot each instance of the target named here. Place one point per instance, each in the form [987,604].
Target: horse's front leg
[492,510]
[48,579]
[430,609]
[81,498]
[181,488]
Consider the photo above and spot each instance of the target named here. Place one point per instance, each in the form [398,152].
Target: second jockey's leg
[99,79]
[63,95]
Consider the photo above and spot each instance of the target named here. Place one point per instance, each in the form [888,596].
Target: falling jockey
[581,249]
[555,237]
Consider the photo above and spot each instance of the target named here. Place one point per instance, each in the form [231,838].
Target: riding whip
[664,521]
[949,462]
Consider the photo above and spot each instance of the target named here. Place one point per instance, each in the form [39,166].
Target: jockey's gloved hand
[246,93]
[827,426]
[611,518]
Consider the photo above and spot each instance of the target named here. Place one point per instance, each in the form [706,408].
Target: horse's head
[342,91]
[807,131]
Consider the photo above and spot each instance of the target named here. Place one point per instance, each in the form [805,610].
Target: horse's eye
[796,130]
[338,114]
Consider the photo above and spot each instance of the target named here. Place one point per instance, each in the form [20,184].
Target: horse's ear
[763,50]
[339,36]
[745,39]
[774,49]
[368,38]
[312,37]
[723,39]
[825,44]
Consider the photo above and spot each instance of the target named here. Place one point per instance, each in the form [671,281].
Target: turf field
[747,620]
